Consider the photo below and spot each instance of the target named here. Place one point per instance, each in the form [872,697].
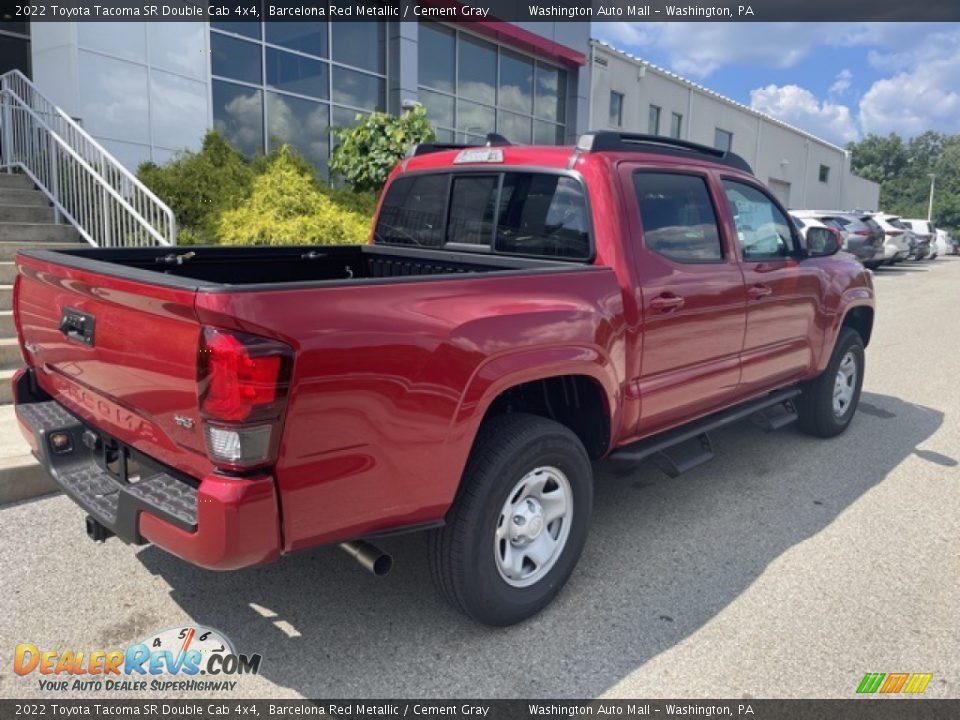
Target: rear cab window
[678,218]
[532,214]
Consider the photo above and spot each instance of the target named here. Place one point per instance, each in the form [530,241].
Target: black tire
[463,559]
[815,406]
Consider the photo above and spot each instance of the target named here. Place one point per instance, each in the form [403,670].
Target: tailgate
[120,354]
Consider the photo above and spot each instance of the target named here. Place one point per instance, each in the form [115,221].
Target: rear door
[692,295]
[782,293]
[118,353]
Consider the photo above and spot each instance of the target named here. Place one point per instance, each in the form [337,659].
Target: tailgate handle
[77,325]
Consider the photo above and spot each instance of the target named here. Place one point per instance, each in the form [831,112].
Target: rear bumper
[218,522]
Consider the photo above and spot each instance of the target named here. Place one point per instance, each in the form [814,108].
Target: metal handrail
[88,187]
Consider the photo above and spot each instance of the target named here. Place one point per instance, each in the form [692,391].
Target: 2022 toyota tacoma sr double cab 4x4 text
[518,313]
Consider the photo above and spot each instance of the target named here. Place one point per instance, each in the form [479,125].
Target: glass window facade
[15,46]
[471,87]
[280,83]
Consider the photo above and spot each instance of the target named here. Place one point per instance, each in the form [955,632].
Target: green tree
[903,171]
[288,206]
[198,186]
[365,154]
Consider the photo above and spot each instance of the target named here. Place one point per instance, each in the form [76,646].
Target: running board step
[775,416]
[658,445]
[692,453]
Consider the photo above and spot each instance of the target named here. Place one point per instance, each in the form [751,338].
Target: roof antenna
[497,140]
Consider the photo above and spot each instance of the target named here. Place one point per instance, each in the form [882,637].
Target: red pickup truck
[519,313]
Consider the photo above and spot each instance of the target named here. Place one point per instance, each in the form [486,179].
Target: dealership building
[146,90]
[800,169]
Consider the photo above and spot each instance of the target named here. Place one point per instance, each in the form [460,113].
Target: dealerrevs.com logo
[193,658]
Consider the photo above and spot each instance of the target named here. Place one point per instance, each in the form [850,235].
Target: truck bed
[261,268]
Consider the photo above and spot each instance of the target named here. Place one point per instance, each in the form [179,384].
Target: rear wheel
[827,403]
[519,522]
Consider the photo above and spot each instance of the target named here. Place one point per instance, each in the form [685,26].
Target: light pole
[933,182]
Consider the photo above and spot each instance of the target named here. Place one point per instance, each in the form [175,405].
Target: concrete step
[6,389]
[10,358]
[16,182]
[17,196]
[21,476]
[9,250]
[6,297]
[38,232]
[26,213]
[8,272]
[7,328]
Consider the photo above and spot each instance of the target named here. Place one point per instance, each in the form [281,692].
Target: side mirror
[822,242]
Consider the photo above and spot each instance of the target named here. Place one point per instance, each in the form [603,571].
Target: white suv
[896,246]
[926,234]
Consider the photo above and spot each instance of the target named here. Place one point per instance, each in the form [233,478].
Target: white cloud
[798,106]
[924,94]
[841,83]
[699,49]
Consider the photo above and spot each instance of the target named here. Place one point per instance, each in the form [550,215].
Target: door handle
[758,291]
[665,303]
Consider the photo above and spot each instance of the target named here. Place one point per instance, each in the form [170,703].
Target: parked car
[926,236]
[897,245]
[946,244]
[519,313]
[862,236]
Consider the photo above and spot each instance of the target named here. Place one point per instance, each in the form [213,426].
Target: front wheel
[827,403]
[519,522]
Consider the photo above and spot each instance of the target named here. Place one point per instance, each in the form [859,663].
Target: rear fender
[500,373]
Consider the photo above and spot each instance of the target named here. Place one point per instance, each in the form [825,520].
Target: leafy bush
[287,206]
[367,153]
[198,186]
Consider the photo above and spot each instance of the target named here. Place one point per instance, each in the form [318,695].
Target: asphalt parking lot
[787,567]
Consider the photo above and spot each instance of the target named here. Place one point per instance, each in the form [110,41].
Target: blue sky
[839,81]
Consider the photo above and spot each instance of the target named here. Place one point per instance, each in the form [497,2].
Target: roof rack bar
[610,140]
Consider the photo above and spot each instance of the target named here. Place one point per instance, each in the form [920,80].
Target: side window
[763,231]
[473,205]
[543,215]
[412,212]
[678,218]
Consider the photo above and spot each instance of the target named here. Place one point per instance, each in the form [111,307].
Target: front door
[693,298]
[782,292]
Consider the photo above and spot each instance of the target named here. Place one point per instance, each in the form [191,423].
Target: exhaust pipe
[369,556]
[96,531]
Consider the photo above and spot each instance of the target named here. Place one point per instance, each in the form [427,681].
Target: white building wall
[140,88]
[788,160]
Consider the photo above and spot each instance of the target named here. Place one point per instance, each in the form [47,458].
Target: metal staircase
[87,187]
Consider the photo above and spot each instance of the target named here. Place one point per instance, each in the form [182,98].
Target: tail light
[894,233]
[242,384]
[864,233]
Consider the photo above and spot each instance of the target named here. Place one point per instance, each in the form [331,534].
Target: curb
[22,478]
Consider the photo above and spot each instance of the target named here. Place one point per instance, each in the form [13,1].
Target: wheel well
[861,320]
[573,400]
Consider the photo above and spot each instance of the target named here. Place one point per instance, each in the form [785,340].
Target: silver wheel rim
[845,384]
[533,526]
